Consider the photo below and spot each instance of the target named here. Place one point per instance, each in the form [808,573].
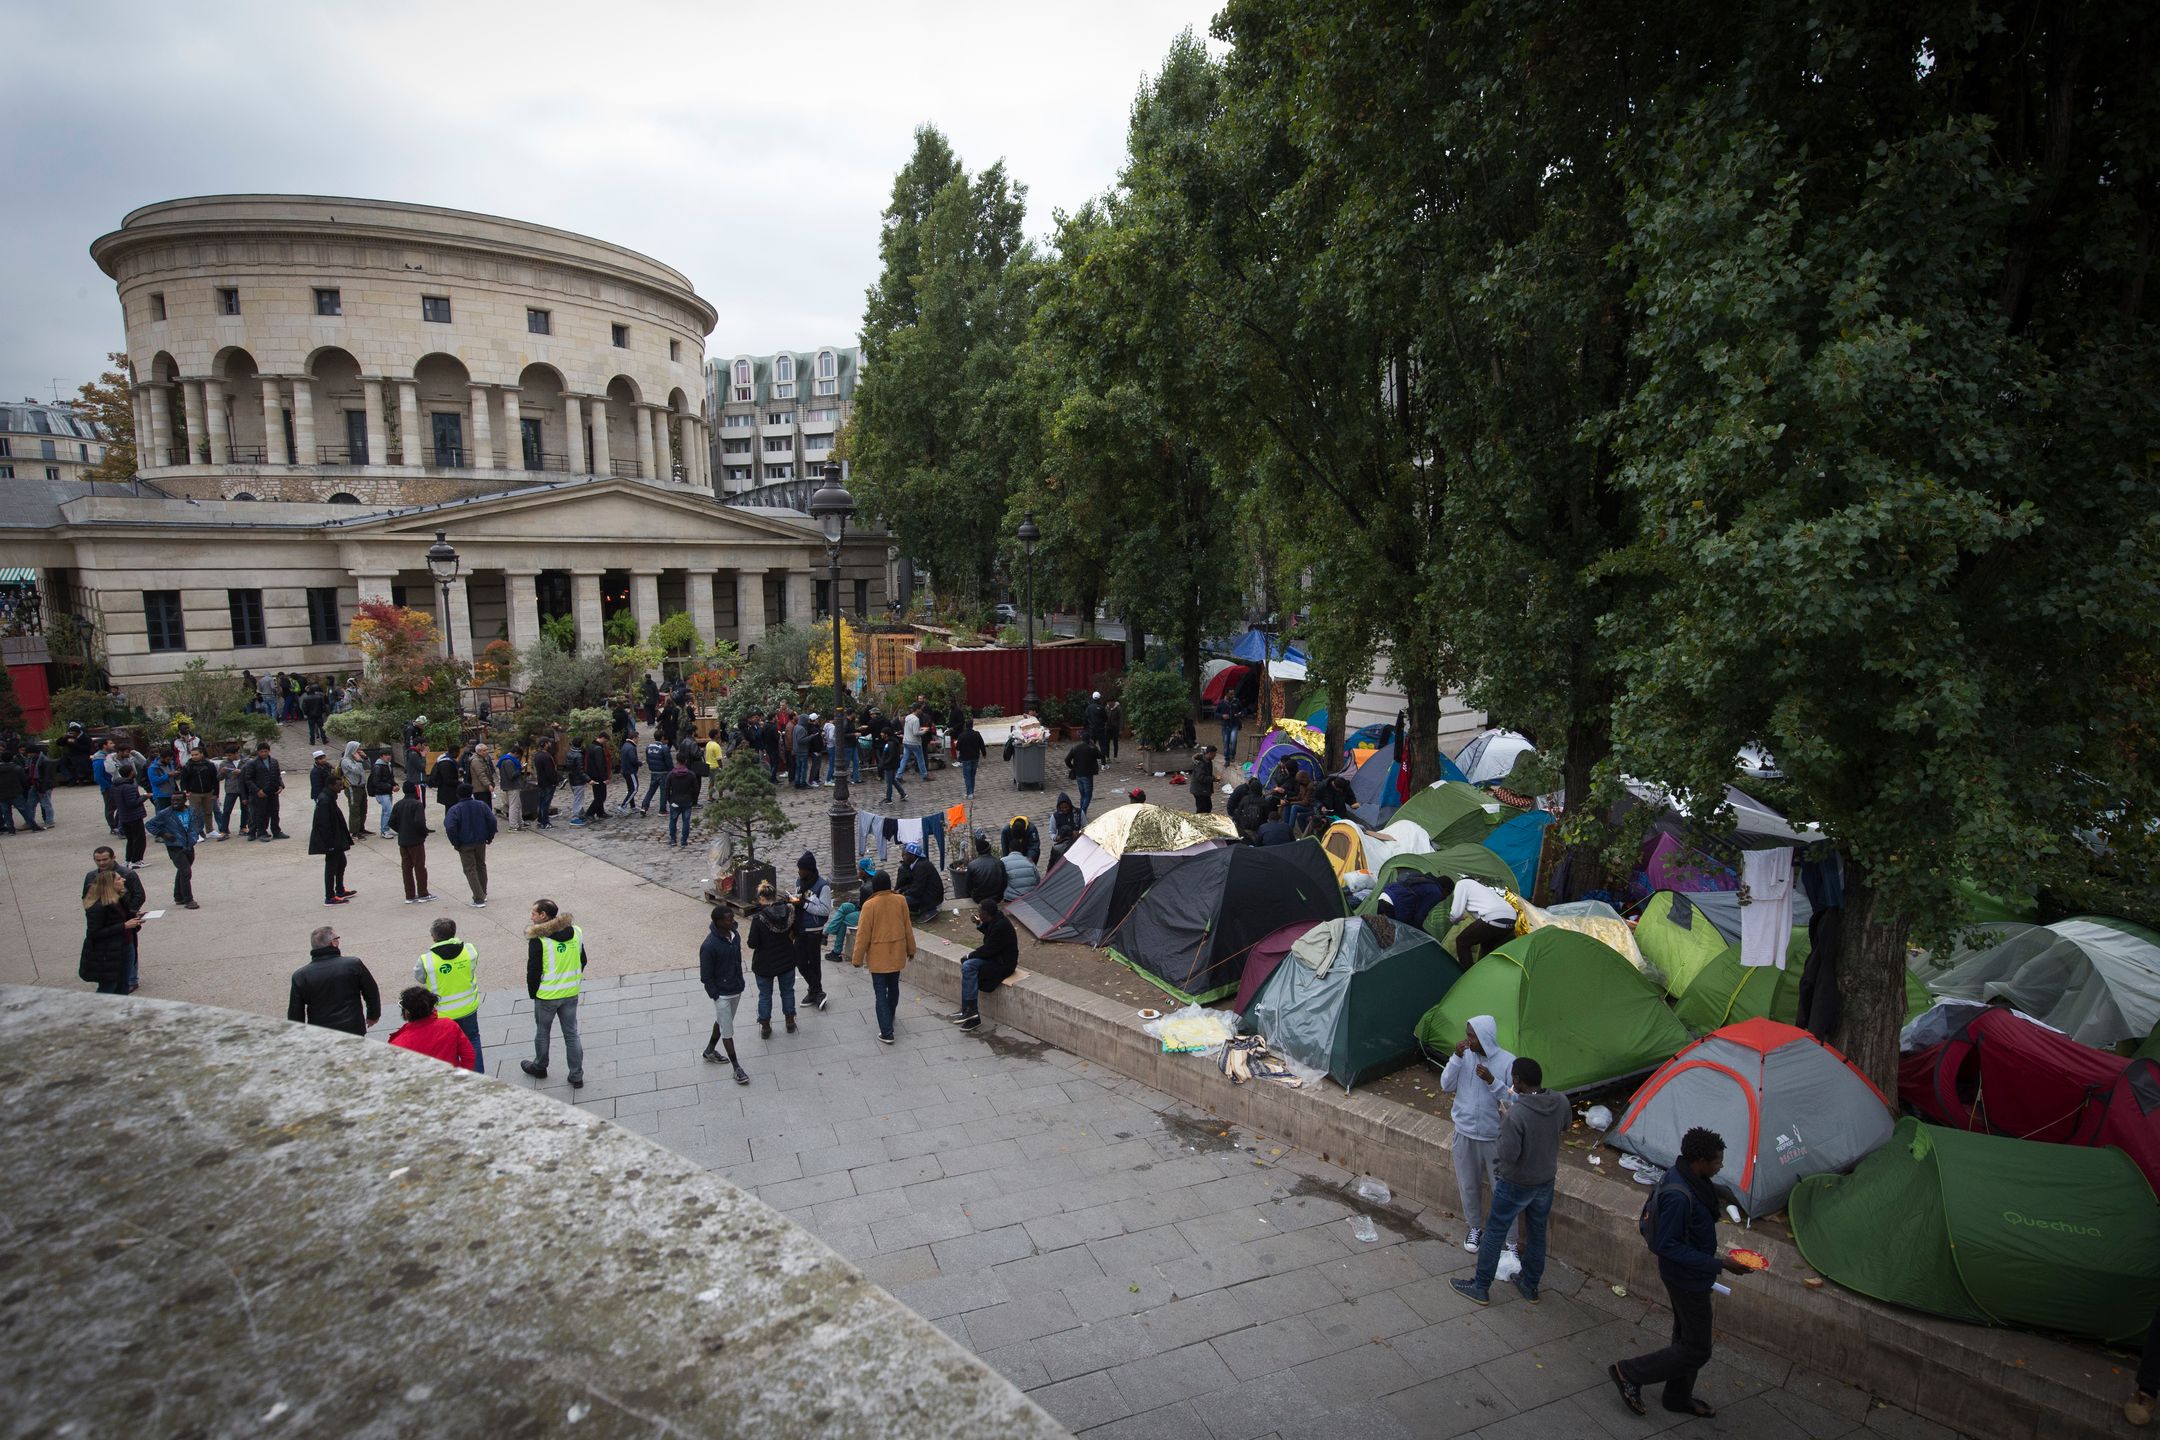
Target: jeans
[224,814]
[1534,1204]
[885,989]
[183,873]
[764,995]
[545,1014]
[854,758]
[45,810]
[914,753]
[382,813]
[470,1024]
[1677,1363]
[1474,1178]
[1086,786]
[967,776]
[970,975]
[795,770]
[678,814]
[24,805]
[654,784]
[1229,738]
[545,803]
[892,783]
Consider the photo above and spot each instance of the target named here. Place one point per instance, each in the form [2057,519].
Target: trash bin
[1028,763]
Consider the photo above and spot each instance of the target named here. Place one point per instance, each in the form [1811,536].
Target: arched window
[783,374]
[341,498]
[742,380]
[243,495]
[828,373]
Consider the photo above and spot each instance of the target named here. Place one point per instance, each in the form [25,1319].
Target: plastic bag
[1510,1266]
[1374,1192]
[1597,1117]
[1194,1030]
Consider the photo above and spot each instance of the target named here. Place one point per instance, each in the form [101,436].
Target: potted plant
[744,808]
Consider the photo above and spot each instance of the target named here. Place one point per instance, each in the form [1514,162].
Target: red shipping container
[30,689]
[999,677]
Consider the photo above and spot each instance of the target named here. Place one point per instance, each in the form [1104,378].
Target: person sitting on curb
[986,876]
[989,964]
[426,1033]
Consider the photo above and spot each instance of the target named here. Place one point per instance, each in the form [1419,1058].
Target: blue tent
[1518,843]
[1255,646]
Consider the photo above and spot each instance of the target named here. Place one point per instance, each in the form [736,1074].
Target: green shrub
[588,721]
[557,681]
[621,628]
[89,708]
[1156,706]
[1010,636]
[932,641]
[560,631]
[991,712]
[943,688]
[369,727]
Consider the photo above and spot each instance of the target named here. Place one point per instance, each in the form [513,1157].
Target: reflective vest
[456,993]
[562,964]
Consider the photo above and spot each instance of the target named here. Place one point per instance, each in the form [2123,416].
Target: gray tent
[1093,887]
[1348,996]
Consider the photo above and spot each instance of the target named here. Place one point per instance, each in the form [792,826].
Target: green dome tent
[1990,1230]
[1452,811]
[1574,1004]
[1356,1021]
[1449,863]
[1676,936]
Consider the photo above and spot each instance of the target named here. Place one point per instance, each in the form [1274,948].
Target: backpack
[1646,1222]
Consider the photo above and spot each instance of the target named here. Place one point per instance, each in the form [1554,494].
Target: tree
[1893,443]
[743,807]
[109,403]
[1156,702]
[12,719]
[940,416]
[676,636]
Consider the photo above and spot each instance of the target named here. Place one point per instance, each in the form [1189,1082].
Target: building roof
[36,417]
[35,504]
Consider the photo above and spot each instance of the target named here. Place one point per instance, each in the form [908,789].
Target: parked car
[1008,614]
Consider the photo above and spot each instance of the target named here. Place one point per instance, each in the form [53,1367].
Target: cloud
[751,147]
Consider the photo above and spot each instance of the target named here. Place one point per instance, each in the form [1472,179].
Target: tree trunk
[1871,980]
[1421,693]
[1589,741]
[1338,724]
[1189,659]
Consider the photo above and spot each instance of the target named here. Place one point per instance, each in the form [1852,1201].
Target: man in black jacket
[263,780]
[1681,1217]
[446,778]
[546,776]
[989,964]
[985,873]
[1084,762]
[199,783]
[333,990]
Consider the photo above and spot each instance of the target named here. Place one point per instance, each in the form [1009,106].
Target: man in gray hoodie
[1477,1075]
[1529,1160]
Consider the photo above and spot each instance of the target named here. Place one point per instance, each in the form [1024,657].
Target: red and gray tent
[1788,1106]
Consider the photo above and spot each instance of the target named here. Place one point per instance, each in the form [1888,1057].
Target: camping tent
[1347,997]
[2005,1074]
[1449,862]
[2095,978]
[1490,757]
[1103,874]
[1679,938]
[1190,932]
[1351,846]
[1577,1005]
[1450,811]
[1279,747]
[1230,677]
[1788,1106]
[1379,783]
[1721,991]
[1261,960]
[1284,660]
[1990,1230]
[1520,841]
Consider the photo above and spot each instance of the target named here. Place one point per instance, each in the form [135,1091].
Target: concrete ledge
[221,1224]
[2000,1384]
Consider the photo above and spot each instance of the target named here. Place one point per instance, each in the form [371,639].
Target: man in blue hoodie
[470,829]
[1681,1224]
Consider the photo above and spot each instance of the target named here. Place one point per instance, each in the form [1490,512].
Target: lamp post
[1028,536]
[831,506]
[442,562]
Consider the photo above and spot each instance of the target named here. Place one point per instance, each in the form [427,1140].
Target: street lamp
[830,507]
[1028,536]
[442,562]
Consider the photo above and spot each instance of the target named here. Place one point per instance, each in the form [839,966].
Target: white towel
[1766,882]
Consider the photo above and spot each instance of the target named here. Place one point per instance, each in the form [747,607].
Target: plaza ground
[1138,1268]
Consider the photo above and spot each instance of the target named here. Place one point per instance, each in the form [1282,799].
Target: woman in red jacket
[428,1033]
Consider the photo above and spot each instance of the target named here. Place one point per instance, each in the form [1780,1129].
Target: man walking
[884,943]
[892,759]
[408,822]
[263,780]
[470,828]
[174,828]
[626,764]
[911,740]
[450,969]
[555,961]
[1084,762]
[1523,1185]
[1682,1219]
[333,990]
[659,763]
[720,972]
[969,747]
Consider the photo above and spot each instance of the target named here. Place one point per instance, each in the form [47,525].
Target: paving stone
[950,1294]
[1272,1348]
[1450,1346]
[1378,1316]
[1171,1422]
[1193,1318]
[1043,1312]
[1357,1375]
[995,1210]
[1053,1270]
[871,1177]
[1155,1382]
[900,1267]
[1085,1401]
[925,1228]
[791,1194]
[1551,1421]
[1147,1247]
[1292,1293]
[1020,1362]
[1055,1232]
[1117,1294]
[1092,1347]
[982,1249]
[1270,1403]
[1448,1406]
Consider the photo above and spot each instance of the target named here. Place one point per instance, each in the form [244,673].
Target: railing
[626,469]
[246,455]
[341,455]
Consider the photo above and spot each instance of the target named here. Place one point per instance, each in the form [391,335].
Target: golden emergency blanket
[1152,829]
[1609,929]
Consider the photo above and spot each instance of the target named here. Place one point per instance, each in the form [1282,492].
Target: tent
[1520,841]
[1103,874]
[1788,1106]
[1350,846]
[1347,997]
[1720,907]
[1261,960]
[1585,917]
[1450,811]
[1723,991]
[2002,1073]
[1279,747]
[1573,1003]
[2095,978]
[1990,1230]
[1380,783]
[1679,938]
[1230,677]
[1490,757]
[1190,932]
[1449,862]
[1284,660]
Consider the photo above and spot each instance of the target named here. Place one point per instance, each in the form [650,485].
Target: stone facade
[51,442]
[776,418]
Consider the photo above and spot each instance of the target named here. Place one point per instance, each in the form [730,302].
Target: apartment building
[775,418]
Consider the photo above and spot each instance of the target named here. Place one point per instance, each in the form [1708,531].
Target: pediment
[600,510]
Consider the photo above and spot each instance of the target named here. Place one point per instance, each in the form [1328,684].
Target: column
[374,584]
[161,439]
[412,445]
[749,607]
[458,624]
[801,596]
[684,434]
[697,589]
[601,464]
[378,432]
[701,447]
[585,596]
[513,430]
[194,409]
[214,421]
[641,429]
[273,420]
[520,588]
[574,435]
[483,433]
[139,417]
[303,418]
[645,603]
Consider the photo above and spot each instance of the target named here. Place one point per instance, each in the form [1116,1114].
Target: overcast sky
[749,146]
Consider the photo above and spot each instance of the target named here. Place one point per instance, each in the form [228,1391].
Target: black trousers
[183,873]
[1479,939]
[810,964]
[1675,1365]
[2148,1376]
[137,841]
[333,874]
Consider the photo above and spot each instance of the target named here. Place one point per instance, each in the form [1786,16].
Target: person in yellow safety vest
[555,961]
[450,968]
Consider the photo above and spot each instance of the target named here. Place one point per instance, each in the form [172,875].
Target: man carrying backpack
[1680,1223]
[659,761]
[510,786]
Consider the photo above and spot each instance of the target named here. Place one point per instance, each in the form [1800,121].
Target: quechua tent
[1788,1106]
[1190,933]
[1574,1004]
[1346,997]
[1451,811]
[1990,1230]
[2095,978]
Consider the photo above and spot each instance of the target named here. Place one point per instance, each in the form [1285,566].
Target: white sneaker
[1471,1243]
